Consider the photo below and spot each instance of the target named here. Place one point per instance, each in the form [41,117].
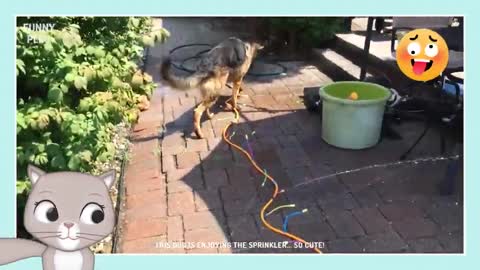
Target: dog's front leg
[197,116]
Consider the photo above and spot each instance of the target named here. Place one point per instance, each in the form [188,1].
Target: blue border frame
[250,8]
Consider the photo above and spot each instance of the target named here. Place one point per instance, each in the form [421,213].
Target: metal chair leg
[404,155]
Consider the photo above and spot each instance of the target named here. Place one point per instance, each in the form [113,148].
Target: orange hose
[275,192]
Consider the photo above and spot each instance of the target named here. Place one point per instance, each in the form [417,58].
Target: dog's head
[253,47]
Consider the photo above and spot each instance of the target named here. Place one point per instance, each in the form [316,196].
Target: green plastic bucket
[353,124]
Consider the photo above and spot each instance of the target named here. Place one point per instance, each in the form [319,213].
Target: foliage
[309,30]
[74,84]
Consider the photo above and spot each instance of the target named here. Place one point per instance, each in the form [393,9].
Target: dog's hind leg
[236,90]
[197,116]
[209,105]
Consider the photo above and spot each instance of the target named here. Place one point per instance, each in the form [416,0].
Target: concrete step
[336,66]
[381,62]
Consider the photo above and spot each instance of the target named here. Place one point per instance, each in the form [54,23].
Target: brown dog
[229,61]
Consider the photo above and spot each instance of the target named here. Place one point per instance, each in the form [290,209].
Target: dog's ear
[258,46]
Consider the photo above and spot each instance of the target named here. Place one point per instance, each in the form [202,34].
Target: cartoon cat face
[69,210]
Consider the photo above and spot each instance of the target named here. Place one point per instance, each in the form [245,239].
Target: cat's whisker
[86,238]
[48,236]
[45,232]
[94,234]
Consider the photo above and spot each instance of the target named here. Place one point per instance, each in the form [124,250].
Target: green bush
[74,86]
[308,31]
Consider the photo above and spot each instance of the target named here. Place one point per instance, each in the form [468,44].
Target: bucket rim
[324,95]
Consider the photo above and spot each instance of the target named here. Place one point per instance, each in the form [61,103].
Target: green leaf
[137,79]
[89,73]
[135,22]
[55,95]
[99,53]
[86,155]
[23,186]
[53,149]
[85,104]
[48,46]
[20,66]
[70,77]
[90,49]
[80,51]
[74,163]
[80,82]
[148,41]
[41,159]
[58,162]
[64,88]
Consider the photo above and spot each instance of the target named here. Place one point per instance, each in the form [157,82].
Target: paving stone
[265,234]
[182,174]
[187,160]
[399,211]
[451,242]
[319,231]
[142,228]
[239,175]
[147,198]
[242,206]
[360,180]
[215,178]
[142,185]
[449,217]
[204,219]
[168,163]
[371,220]
[180,203]
[293,157]
[242,228]
[207,200]
[277,173]
[144,246]
[151,210]
[202,251]
[299,175]
[174,149]
[180,186]
[342,201]
[344,224]
[289,141]
[302,196]
[425,245]
[415,228]
[175,229]
[196,145]
[216,160]
[346,245]
[388,242]
[327,188]
[206,236]
[368,197]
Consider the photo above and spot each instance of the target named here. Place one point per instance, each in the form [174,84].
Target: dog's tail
[178,82]
[13,249]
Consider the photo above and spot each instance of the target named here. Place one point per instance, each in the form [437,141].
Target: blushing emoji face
[422,54]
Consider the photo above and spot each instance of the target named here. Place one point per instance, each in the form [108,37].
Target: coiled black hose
[181,66]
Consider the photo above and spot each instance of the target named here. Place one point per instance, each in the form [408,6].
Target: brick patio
[181,189]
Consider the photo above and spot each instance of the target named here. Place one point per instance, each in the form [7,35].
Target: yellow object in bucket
[353,96]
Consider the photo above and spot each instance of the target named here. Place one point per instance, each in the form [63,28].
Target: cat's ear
[34,174]
[108,178]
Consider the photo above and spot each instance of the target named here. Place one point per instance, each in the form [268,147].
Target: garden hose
[181,66]
[267,176]
[289,216]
